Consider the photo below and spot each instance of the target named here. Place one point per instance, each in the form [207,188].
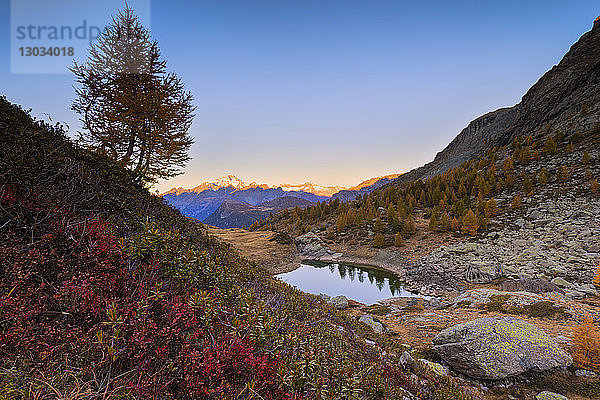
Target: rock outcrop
[339,302]
[557,238]
[496,348]
[312,246]
[545,395]
[375,325]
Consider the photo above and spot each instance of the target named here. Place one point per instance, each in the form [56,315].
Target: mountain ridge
[232,181]
[205,199]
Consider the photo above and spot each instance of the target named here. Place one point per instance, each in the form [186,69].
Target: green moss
[497,303]
[569,385]
[541,309]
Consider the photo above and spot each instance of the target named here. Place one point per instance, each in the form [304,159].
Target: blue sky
[332,92]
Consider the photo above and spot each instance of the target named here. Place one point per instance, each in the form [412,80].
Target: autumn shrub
[497,303]
[586,343]
[540,309]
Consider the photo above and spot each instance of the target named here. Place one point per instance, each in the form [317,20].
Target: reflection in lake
[362,283]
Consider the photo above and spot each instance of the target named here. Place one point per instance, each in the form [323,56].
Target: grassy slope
[106,292]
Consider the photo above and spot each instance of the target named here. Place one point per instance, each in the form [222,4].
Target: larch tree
[132,110]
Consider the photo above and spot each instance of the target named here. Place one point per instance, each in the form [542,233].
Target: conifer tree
[594,187]
[131,109]
[341,223]
[409,226]
[527,185]
[563,173]
[586,157]
[543,177]
[379,241]
[379,228]
[445,222]
[433,222]
[516,202]
[470,224]
[491,208]
[455,225]
[508,164]
[398,242]
[550,145]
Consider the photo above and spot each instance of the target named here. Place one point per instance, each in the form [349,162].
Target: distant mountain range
[228,202]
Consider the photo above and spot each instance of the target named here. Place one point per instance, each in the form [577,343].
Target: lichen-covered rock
[437,369]
[483,272]
[550,396]
[406,359]
[339,302]
[479,297]
[494,348]
[310,245]
[367,319]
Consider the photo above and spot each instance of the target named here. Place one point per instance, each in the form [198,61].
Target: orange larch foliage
[470,224]
[597,278]
[586,342]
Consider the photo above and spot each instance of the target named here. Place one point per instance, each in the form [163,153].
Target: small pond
[362,283]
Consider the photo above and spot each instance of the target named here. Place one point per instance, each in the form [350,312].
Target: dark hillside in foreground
[106,292]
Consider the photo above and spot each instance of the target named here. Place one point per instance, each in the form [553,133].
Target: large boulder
[339,302]
[311,246]
[375,325]
[550,396]
[478,272]
[494,348]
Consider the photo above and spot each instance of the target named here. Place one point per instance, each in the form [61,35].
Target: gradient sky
[333,92]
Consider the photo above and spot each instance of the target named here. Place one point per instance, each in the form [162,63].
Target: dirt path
[261,247]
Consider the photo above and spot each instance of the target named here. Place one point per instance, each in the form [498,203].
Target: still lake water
[361,283]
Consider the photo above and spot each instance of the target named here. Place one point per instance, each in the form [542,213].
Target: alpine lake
[362,283]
